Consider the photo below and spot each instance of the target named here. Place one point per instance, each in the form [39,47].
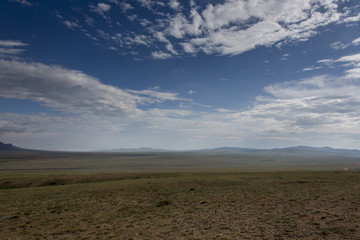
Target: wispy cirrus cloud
[23,2]
[12,43]
[11,48]
[10,51]
[350,62]
[311,68]
[339,45]
[342,45]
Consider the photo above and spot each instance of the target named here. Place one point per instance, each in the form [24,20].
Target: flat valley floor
[180,205]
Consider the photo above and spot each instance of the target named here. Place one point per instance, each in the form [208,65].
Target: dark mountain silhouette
[9,147]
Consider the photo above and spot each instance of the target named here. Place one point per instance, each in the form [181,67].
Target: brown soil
[283,205]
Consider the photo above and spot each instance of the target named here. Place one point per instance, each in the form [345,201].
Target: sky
[179,75]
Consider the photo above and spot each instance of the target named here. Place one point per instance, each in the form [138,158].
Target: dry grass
[267,205]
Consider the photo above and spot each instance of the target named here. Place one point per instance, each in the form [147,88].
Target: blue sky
[89,75]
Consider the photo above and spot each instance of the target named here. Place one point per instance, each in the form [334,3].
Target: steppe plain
[168,195]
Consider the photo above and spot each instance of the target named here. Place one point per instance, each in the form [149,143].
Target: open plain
[193,197]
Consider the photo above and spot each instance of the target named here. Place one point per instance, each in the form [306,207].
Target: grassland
[172,161]
[181,205]
[188,195]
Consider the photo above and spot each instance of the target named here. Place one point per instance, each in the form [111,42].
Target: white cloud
[314,111]
[349,58]
[191,92]
[356,41]
[174,4]
[71,25]
[132,17]
[144,22]
[238,26]
[23,2]
[59,132]
[156,96]
[352,19]
[123,5]
[230,27]
[188,48]
[10,48]
[126,6]
[146,3]
[160,36]
[339,45]
[90,21]
[12,43]
[137,39]
[85,108]
[10,51]
[317,110]
[351,61]
[72,91]
[169,113]
[160,55]
[65,90]
[101,9]
[285,56]
[311,68]
[223,110]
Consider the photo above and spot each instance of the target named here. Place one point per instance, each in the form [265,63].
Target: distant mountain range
[289,151]
[303,150]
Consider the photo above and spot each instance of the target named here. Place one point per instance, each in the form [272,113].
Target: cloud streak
[351,62]
[11,48]
[23,2]
[12,43]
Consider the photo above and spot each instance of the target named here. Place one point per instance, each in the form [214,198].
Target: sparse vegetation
[237,205]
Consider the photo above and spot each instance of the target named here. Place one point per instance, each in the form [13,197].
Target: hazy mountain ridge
[294,151]
[298,150]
